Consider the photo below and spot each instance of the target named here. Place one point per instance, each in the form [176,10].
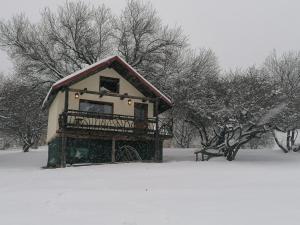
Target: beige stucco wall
[92,84]
[120,106]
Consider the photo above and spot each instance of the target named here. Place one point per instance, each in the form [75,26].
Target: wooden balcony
[114,124]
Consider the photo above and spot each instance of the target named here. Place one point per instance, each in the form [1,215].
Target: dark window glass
[99,107]
[109,84]
[140,112]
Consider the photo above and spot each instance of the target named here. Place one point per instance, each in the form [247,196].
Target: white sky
[241,32]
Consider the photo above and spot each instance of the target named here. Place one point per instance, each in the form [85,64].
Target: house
[106,113]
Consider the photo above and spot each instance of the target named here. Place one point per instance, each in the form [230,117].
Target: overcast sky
[240,32]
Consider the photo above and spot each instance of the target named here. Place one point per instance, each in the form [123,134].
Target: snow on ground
[261,187]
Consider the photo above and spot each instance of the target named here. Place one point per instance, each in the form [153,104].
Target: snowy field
[261,187]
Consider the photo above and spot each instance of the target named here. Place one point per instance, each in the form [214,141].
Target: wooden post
[66,105]
[63,137]
[157,147]
[63,151]
[66,99]
[113,151]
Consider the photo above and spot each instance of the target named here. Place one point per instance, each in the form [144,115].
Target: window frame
[112,79]
[99,103]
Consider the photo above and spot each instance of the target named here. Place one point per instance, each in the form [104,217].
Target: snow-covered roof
[102,64]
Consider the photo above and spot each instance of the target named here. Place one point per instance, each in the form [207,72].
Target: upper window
[109,84]
[94,106]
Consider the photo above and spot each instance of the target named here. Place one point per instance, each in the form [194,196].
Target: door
[140,117]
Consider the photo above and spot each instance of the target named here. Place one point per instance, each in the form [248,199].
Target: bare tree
[143,41]
[62,42]
[193,87]
[242,113]
[285,70]
[184,133]
[77,34]
[22,116]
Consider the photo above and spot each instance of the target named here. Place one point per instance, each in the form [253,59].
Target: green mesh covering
[53,153]
[88,151]
[96,151]
[146,149]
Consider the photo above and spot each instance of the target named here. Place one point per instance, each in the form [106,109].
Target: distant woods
[221,110]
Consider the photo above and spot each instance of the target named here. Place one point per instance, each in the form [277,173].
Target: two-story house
[105,113]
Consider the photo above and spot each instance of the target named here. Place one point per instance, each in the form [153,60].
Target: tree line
[223,110]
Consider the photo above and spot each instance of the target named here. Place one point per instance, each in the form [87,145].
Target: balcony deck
[74,121]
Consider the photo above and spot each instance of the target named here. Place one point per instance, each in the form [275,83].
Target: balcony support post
[63,136]
[63,151]
[66,105]
[113,151]
[157,147]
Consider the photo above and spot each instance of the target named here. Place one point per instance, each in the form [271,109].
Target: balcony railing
[82,120]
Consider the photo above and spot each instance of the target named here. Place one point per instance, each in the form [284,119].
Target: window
[109,84]
[94,106]
[140,111]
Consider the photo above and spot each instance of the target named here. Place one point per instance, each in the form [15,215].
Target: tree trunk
[27,146]
[288,140]
[293,138]
[278,143]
